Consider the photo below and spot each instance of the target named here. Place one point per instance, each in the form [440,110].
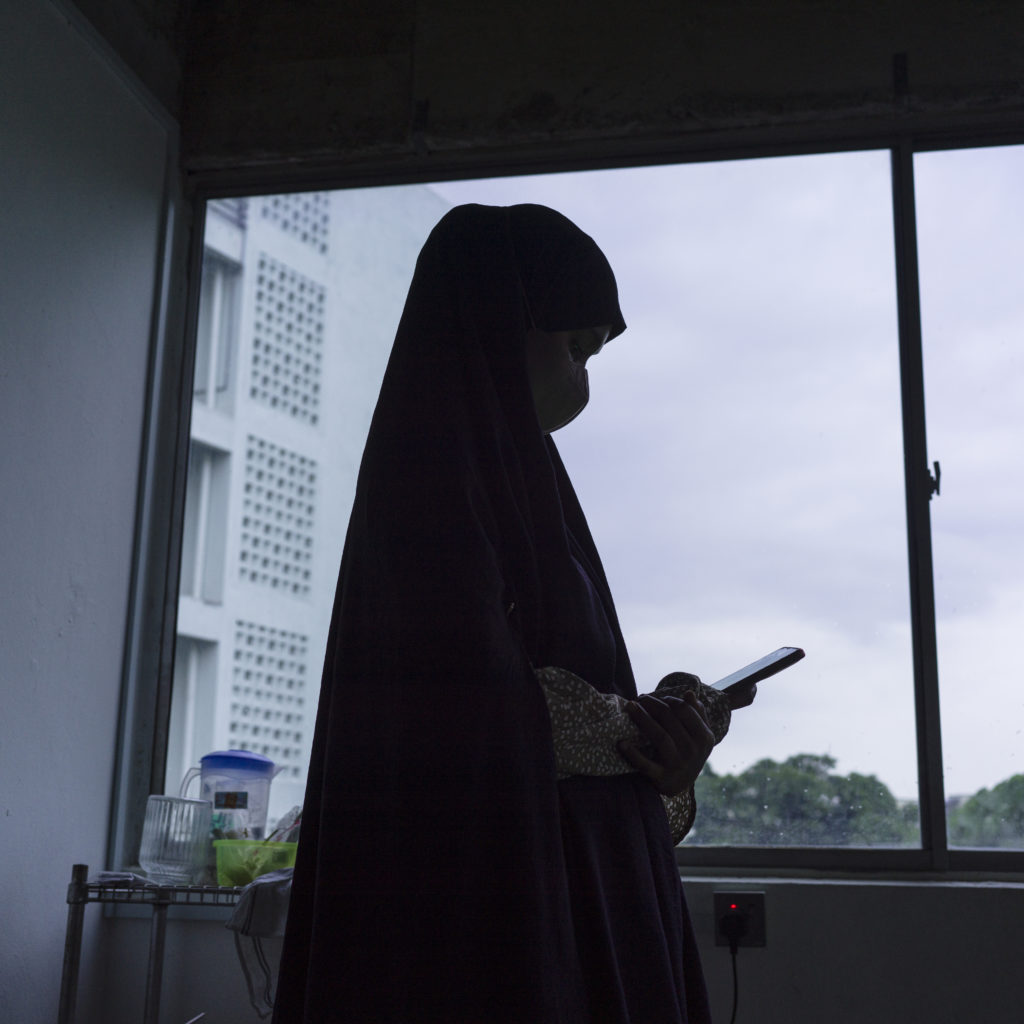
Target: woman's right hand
[678,729]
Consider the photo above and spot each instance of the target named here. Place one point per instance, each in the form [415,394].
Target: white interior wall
[81,173]
[82,169]
[880,952]
[837,953]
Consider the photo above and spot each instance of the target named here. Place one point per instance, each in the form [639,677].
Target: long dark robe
[443,874]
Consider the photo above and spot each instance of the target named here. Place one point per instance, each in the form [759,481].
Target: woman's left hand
[740,695]
[677,728]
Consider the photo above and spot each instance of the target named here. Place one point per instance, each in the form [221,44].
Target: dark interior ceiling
[278,91]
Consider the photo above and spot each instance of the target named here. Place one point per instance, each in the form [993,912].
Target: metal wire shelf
[82,892]
[172,895]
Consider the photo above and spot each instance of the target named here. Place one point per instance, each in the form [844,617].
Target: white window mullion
[216,339]
[202,524]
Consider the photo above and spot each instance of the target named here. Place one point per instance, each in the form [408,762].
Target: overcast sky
[741,459]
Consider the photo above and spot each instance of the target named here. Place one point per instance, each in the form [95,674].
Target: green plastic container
[239,861]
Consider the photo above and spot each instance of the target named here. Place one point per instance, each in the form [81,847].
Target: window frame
[149,668]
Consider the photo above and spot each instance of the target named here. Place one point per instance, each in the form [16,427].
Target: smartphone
[761,669]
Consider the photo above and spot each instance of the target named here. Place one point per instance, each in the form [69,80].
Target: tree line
[802,801]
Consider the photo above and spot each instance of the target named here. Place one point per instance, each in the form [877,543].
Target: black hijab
[430,883]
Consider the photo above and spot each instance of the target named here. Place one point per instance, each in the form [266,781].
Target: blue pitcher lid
[235,759]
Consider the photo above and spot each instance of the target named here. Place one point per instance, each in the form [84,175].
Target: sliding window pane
[741,467]
[970,210]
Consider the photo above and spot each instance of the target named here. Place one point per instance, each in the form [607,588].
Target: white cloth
[259,915]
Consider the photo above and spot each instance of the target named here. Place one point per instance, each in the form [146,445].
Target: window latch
[933,481]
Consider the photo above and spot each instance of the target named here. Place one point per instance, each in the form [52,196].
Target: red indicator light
[734,906]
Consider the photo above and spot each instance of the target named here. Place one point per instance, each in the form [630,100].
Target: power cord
[734,927]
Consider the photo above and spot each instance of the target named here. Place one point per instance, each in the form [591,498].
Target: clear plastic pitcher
[237,784]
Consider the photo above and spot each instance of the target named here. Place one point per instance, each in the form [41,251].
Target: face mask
[558,376]
[572,397]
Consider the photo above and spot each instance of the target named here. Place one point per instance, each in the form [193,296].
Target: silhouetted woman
[453,865]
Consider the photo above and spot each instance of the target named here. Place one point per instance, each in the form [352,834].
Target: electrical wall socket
[750,906]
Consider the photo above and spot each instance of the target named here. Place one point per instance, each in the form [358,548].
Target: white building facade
[301,295]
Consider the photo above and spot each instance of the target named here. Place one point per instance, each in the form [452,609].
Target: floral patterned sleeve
[587,727]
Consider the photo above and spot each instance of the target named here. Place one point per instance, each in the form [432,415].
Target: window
[204,537]
[753,464]
[217,333]
[970,222]
[193,712]
[279,417]
[741,465]
[744,468]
